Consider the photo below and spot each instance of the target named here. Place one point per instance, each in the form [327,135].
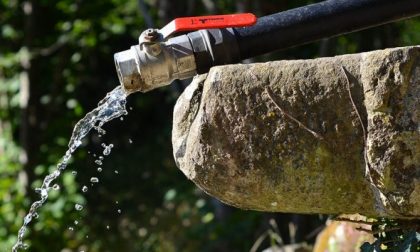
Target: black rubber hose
[316,21]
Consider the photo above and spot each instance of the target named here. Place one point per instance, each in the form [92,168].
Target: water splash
[112,106]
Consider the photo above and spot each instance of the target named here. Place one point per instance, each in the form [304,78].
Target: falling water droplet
[76,222]
[98,162]
[71,228]
[55,187]
[107,227]
[107,149]
[94,180]
[122,118]
[74,173]
[130,141]
[84,189]
[119,210]
[78,207]
[99,169]
[101,158]
[116,172]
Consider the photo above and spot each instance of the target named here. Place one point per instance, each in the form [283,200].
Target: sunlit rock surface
[308,153]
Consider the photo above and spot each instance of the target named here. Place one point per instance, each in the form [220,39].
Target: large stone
[337,135]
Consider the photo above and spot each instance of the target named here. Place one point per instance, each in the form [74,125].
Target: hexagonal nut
[125,62]
[128,73]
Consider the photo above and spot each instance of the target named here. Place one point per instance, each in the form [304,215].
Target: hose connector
[158,59]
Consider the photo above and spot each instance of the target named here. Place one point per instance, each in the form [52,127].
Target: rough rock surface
[334,143]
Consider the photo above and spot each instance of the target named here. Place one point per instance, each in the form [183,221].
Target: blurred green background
[56,63]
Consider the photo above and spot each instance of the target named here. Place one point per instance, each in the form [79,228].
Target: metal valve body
[154,63]
[157,60]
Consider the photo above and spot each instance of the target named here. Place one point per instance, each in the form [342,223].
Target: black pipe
[316,21]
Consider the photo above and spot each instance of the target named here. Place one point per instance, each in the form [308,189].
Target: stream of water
[112,106]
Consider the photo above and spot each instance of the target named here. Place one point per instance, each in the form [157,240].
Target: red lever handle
[208,22]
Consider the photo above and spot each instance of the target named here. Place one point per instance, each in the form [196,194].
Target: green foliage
[394,235]
[62,51]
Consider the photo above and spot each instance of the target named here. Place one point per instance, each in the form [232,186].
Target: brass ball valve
[159,59]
